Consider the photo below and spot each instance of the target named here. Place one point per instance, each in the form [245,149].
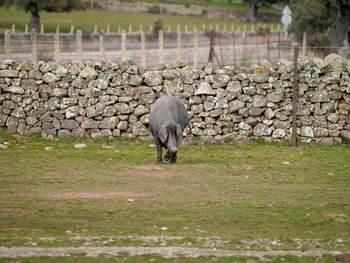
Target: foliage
[320,16]
[310,16]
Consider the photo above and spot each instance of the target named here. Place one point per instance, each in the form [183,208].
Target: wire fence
[146,49]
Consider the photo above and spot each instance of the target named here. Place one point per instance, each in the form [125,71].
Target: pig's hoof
[159,162]
[167,157]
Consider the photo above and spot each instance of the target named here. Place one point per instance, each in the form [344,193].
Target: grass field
[82,20]
[232,192]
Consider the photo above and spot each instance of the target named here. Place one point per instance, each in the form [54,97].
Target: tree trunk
[35,19]
[252,11]
[338,32]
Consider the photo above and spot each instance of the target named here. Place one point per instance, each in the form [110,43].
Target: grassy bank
[82,20]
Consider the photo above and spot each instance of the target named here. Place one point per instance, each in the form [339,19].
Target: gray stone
[336,62]
[215,113]
[59,92]
[153,78]
[111,110]
[275,97]
[249,90]
[61,71]
[269,113]
[319,96]
[109,123]
[208,106]
[259,101]
[223,79]
[333,117]
[72,112]
[50,77]
[244,126]
[88,73]
[89,124]
[31,121]
[139,129]
[70,124]
[18,113]
[255,112]
[261,130]
[135,80]
[320,132]
[345,135]
[261,74]
[80,146]
[205,89]
[91,112]
[307,131]
[122,125]
[147,99]
[13,89]
[11,124]
[141,110]
[209,69]
[9,73]
[278,134]
[122,108]
[235,105]
[172,87]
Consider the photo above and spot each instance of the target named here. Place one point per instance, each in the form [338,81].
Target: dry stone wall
[71,100]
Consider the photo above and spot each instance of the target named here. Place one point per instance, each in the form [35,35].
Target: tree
[252,10]
[35,6]
[322,16]
[253,6]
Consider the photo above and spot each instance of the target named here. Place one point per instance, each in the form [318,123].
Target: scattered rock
[80,146]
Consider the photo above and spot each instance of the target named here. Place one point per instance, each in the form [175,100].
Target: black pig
[167,121]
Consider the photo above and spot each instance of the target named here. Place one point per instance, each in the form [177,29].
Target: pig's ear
[179,132]
[163,133]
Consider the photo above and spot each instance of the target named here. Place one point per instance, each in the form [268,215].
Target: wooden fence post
[123,44]
[295,98]
[7,44]
[72,29]
[141,28]
[179,49]
[143,49]
[217,27]
[102,45]
[95,29]
[108,29]
[169,28]
[26,29]
[130,28]
[268,45]
[232,27]
[57,44]
[225,27]
[79,47]
[42,29]
[13,29]
[195,43]
[161,47]
[203,27]
[34,46]
[186,29]
[305,44]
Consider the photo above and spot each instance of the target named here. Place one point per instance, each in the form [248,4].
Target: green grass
[156,259]
[222,190]
[229,191]
[82,20]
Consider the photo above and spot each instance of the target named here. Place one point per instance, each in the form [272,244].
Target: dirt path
[166,252]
